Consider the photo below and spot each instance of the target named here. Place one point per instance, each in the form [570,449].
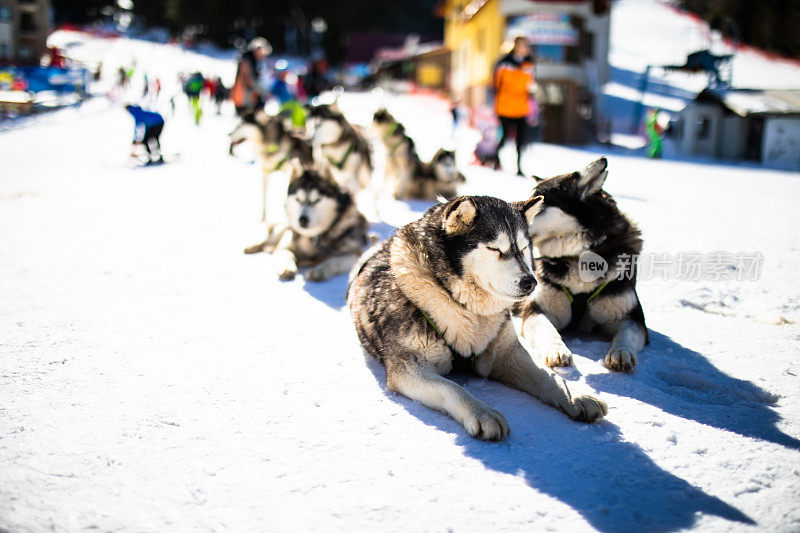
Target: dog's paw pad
[487,424]
[621,360]
[588,409]
[559,357]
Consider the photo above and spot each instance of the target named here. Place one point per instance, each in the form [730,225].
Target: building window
[587,44]
[26,22]
[703,128]
[5,13]
[25,52]
[3,50]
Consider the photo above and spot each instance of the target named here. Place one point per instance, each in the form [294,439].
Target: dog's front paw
[318,273]
[588,409]
[483,422]
[621,360]
[558,356]
[287,274]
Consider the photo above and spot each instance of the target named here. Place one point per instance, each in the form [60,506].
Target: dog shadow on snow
[682,382]
[610,482]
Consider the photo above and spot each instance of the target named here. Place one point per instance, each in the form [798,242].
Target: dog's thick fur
[340,145]
[579,216]
[405,173]
[440,292]
[276,145]
[324,231]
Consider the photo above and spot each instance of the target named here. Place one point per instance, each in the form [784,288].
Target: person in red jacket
[513,83]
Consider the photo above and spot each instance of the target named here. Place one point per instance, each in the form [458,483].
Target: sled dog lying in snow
[276,145]
[339,144]
[324,230]
[437,296]
[579,219]
[407,175]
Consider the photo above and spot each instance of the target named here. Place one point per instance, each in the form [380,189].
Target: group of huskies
[438,295]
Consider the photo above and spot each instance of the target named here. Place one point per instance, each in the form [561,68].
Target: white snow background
[154,378]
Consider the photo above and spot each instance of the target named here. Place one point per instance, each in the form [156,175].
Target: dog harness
[580,302]
[271,149]
[345,157]
[389,132]
[453,353]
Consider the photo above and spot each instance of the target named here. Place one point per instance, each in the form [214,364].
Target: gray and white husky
[324,229]
[437,296]
[276,144]
[405,173]
[338,143]
[585,267]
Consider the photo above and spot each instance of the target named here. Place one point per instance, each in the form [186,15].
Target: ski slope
[154,378]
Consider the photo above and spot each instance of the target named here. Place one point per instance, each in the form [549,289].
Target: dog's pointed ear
[296,168]
[592,177]
[537,179]
[460,215]
[531,208]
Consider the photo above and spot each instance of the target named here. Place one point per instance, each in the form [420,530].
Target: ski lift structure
[718,68]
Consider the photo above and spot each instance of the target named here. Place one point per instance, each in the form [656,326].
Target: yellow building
[570,43]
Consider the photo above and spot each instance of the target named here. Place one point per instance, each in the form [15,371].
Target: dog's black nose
[303,220]
[526,284]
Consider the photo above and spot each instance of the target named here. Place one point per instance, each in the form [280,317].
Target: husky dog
[401,154]
[581,223]
[340,145]
[437,297]
[276,145]
[409,177]
[324,228]
[428,181]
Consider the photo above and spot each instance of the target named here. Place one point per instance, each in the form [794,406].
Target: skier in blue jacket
[147,130]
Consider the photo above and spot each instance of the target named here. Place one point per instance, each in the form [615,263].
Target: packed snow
[155,378]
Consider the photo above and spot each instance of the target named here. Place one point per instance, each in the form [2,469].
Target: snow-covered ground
[154,378]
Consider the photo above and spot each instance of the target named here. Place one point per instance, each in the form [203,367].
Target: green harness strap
[340,164]
[389,132]
[280,163]
[591,297]
[391,129]
[439,333]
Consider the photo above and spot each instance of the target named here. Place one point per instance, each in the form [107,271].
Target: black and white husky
[339,144]
[324,230]
[276,144]
[437,296]
[586,271]
[405,174]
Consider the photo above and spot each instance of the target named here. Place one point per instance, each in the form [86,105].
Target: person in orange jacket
[513,82]
[246,93]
